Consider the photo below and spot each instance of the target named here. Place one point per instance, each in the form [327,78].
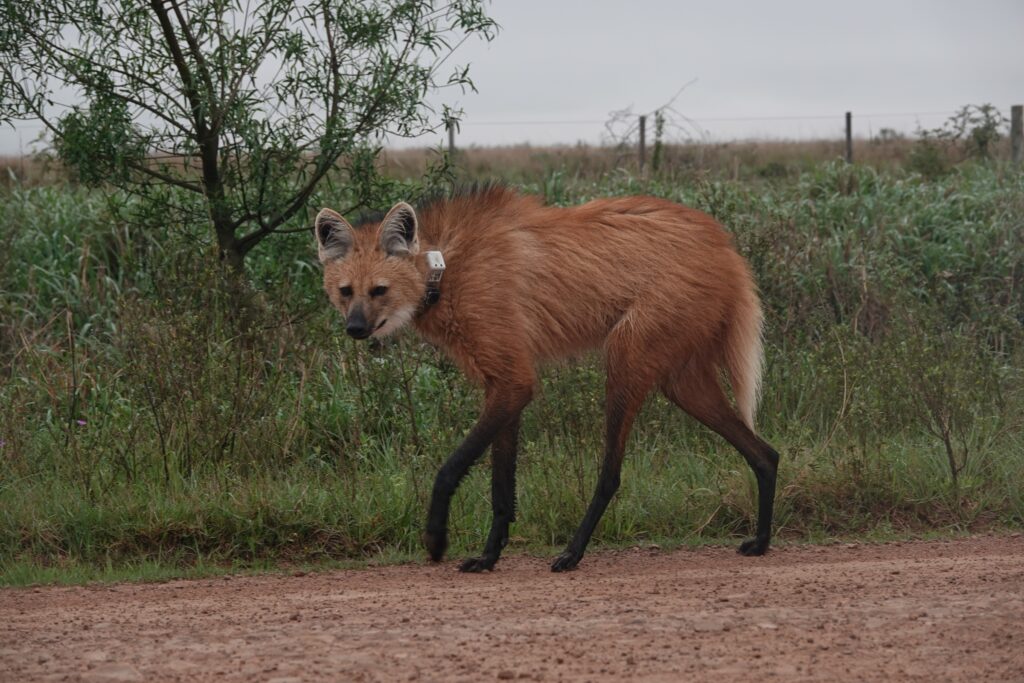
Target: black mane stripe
[430,199]
[473,189]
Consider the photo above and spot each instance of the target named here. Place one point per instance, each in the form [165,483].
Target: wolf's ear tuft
[334,236]
[398,231]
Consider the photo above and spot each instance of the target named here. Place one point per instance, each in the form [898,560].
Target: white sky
[558,61]
[578,60]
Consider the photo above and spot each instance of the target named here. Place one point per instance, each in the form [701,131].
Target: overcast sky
[556,62]
[578,60]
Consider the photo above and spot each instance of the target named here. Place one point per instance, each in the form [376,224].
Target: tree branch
[197,55]
[71,56]
[249,68]
[326,161]
[166,177]
[187,79]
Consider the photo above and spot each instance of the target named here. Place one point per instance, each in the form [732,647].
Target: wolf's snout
[356,325]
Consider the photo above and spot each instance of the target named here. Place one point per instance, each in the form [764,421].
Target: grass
[159,419]
[747,161]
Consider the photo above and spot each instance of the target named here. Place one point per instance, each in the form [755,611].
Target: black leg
[501,408]
[503,498]
[763,459]
[607,485]
[701,396]
[620,411]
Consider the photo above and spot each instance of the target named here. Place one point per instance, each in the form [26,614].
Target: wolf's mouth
[380,325]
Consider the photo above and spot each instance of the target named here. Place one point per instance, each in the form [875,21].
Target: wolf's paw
[567,561]
[475,565]
[436,542]
[753,546]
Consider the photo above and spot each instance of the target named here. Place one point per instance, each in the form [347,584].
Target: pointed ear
[398,231]
[333,236]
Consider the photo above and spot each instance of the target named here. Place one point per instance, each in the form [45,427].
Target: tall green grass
[154,411]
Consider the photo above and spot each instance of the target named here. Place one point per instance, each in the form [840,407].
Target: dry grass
[523,163]
[737,160]
[31,171]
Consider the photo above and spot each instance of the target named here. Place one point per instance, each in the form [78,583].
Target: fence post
[1017,133]
[643,142]
[849,137]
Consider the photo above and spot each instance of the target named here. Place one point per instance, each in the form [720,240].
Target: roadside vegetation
[159,413]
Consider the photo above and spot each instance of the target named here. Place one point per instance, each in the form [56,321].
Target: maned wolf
[656,284]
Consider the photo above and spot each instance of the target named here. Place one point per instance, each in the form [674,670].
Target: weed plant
[155,413]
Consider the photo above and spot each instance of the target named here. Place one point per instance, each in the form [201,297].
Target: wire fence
[678,127]
[713,119]
[618,127]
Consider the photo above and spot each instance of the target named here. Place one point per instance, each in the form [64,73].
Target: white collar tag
[435,269]
[435,266]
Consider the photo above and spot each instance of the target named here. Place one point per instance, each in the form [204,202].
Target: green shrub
[151,409]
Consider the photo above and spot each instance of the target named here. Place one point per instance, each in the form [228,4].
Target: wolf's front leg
[502,407]
[503,498]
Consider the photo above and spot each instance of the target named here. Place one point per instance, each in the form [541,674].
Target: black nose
[355,323]
[357,330]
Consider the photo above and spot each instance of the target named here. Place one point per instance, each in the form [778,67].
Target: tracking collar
[435,269]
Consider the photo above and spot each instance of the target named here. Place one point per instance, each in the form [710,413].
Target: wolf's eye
[346,291]
[379,290]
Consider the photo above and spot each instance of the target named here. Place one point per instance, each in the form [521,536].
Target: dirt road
[950,611]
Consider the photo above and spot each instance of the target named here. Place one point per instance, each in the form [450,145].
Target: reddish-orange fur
[656,284]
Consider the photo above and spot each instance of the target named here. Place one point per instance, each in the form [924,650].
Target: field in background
[743,160]
[156,417]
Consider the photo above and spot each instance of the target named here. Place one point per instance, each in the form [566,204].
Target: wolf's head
[370,272]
